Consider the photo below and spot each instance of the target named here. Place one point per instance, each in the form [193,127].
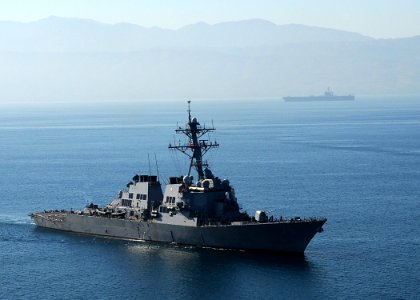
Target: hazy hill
[76,59]
[80,35]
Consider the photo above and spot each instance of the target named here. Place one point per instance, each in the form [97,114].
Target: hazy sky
[376,18]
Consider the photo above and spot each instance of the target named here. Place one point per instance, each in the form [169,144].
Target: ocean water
[356,163]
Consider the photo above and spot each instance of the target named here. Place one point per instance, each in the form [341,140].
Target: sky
[375,18]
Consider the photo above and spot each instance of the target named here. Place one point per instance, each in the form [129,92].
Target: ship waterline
[277,236]
[318,98]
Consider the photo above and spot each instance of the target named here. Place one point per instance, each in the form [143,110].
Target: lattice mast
[197,146]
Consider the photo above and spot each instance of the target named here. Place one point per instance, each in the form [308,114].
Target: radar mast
[197,146]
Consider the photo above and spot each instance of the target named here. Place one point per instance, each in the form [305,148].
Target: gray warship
[204,213]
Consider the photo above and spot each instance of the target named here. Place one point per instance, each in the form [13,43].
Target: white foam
[10,219]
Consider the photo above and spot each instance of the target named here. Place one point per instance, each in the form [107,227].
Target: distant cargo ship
[328,96]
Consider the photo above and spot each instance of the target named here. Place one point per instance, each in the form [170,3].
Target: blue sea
[357,163]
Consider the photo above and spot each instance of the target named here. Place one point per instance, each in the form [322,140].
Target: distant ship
[204,213]
[328,96]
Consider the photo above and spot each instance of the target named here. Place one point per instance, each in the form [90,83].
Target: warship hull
[291,236]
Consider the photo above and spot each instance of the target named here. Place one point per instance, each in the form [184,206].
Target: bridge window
[126,202]
[170,200]
[163,209]
[141,196]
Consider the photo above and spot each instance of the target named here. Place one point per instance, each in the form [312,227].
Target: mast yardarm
[196,147]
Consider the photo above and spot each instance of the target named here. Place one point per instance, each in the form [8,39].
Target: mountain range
[78,59]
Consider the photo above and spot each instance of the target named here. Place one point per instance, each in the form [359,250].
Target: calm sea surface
[356,163]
